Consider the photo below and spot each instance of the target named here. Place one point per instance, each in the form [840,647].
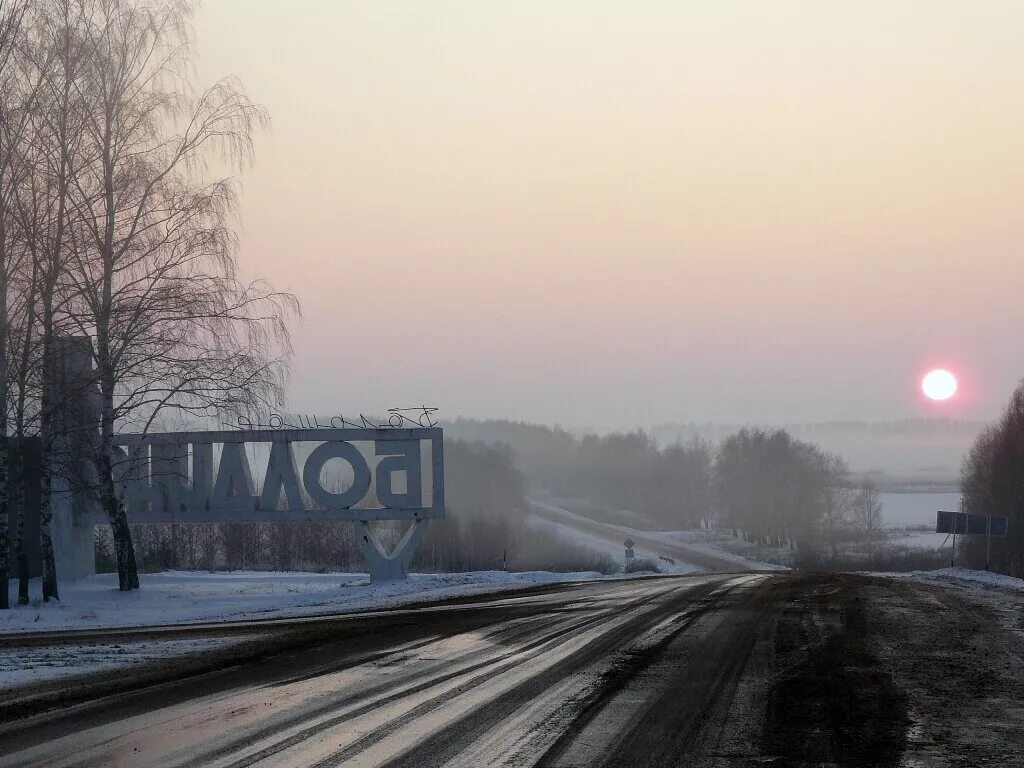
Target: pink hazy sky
[614,214]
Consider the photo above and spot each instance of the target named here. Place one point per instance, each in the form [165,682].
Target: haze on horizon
[604,214]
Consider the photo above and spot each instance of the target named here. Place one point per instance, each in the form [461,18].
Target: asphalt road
[715,562]
[716,670]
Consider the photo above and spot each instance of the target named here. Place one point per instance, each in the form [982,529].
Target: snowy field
[908,510]
[175,597]
[919,539]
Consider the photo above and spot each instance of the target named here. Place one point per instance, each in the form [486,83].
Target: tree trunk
[5,546]
[124,548]
[45,520]
[45,533]
[46,407]
[19,536]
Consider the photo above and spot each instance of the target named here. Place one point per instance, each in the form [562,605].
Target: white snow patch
[963,576]
[908,509]
[179,597]
[24,666]
[919,539]
[1003,595]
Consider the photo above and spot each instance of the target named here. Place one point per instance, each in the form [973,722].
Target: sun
[938,384]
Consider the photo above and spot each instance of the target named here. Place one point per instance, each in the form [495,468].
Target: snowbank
[176,597]
[960,575]
[918,539]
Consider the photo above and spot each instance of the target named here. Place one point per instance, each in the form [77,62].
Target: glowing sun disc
[939,384]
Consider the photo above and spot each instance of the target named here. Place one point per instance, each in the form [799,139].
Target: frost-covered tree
[153,255]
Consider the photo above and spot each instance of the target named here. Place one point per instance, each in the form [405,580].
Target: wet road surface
[715,670]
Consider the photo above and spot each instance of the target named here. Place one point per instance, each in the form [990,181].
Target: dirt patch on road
[878,672]
[832,701]
[961,668]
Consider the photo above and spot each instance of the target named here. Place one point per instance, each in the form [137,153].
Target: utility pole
[956,520]
[988,544]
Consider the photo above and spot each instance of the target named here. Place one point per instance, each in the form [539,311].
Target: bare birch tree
[153,256]
[52,59]
[12,16]
[114,230]
[867,509]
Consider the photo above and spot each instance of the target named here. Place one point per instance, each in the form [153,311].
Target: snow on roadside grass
[1003,595]
[912,539]
[960,576]
[176,597]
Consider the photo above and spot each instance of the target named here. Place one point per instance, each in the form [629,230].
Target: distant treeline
[893,454]
[992,482]
[764,485]
[781,491]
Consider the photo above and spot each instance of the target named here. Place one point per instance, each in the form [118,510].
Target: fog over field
[606,216]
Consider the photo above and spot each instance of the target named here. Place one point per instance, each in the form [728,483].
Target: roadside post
[968,524]
[998,528]
[988,546]
[952,559]
[955,526]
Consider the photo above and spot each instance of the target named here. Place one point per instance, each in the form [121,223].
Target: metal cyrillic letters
[196,477]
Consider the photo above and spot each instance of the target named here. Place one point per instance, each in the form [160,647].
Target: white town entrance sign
[357,475]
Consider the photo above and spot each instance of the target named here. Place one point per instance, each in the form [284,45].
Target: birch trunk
[20,556]
[46,457]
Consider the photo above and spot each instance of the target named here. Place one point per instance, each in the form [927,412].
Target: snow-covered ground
[1002,595]
[904,510]
[962,577]
[36,664]
[176,597]
[918,539]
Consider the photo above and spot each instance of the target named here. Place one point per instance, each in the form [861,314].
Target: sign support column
[988,544]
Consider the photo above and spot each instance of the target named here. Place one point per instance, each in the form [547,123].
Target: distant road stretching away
[616,534]
[708,670]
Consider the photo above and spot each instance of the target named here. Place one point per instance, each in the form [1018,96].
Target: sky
[618,214]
